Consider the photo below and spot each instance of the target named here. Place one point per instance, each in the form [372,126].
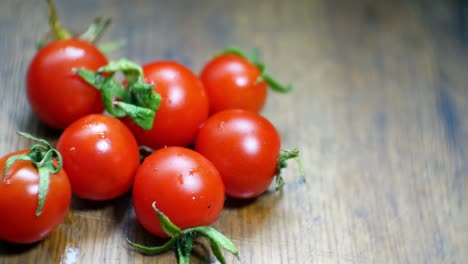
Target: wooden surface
[379,112]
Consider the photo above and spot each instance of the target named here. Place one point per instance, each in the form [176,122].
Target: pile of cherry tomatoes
[202,136]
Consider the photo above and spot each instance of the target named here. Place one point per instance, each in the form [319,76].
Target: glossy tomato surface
[18,202]
[57,95]
[185,186]
[183,108]
[232,81]
[244,147]
[100,156]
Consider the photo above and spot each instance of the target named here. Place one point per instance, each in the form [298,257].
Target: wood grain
[379,112]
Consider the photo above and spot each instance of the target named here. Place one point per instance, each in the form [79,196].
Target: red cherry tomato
[186,187]
[56,94]
[184,106]
[19,201]
[232,81]
[244,147]
[100,156]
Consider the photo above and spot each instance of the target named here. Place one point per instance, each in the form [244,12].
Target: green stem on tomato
[43,156]
[92,34]
[274,84]
[111,46]
[283,157]
[96,29]
[182,240]
[137,100]
[54,23]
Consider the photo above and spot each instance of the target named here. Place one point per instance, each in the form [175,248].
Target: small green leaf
[141,116]
[283,157]
[10,162]
[95,79]
[131,70]
[111,46]
[137,100]
[279,182]
[33,138]
[96,29]
[110,94]
[144,96]
[275,85]
[216,249]
[167,226]
[44,181]
[218,238]
[153,250]
[184,248]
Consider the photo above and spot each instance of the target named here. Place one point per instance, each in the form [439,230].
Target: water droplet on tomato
[191,171]
[221,124]
[72,149]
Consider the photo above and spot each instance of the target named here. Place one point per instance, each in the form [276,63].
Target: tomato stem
[54,23]
[44,157]
[96,29]
[182,240]
[283,157]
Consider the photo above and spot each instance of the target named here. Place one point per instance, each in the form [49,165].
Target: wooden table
[379,111]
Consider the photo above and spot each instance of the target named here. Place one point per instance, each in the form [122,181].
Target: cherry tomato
[184,106]
[57,95]
[232,81]
[244,147]
[100,156]
[186,187]
[19,201]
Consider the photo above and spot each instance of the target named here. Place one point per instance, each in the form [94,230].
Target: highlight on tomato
[35,193]
[235,81]
[100,156]
[178,193]
[246,149]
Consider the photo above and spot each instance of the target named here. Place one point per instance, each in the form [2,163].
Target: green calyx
[137,100]
[182,240]
[264,76]
[43,156]
[92,34]
[284,156]
[58,31]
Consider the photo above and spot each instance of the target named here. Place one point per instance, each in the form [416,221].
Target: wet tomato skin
[18,202]
[100,155]
[56,94]
[244,147]
[185,186]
